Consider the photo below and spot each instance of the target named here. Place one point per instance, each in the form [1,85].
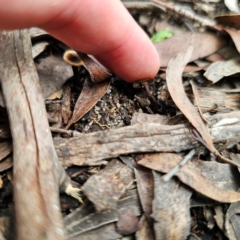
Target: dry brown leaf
[86,219]
[230,20]
[2,103]
[235,35]
[204,44]
[192,68]
[219,216]
[6,163]
[144,180]
[197,100]
[96,70]
[215,57]
[105,188]
[5,149]
[127,223]
[228,52]
[171,206]
[145,232]
[108,230]
[53,72]
[39,48]
[232,221]
[89,96]
[90,222]
[192,174]
[231,25]
[176,90]
[218,70]
[5,131]
[208,97]
[66,104]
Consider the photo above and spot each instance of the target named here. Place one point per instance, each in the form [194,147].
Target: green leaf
[161,35]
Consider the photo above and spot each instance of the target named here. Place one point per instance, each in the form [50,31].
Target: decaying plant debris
[155,161]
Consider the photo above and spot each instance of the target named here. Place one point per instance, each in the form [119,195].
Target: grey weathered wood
[93,148]
[171,206]
[36,188]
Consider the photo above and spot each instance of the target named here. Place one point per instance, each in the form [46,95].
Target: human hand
[102,28]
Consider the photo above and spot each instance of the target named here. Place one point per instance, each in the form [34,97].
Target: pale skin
[102,28]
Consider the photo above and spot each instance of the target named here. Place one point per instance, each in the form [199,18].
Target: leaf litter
[121,170]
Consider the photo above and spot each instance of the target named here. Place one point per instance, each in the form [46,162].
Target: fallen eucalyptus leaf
[105,188]
[197,175]
[5,149]
[229,20]
[86,219]
[89,96]
[6,163]
[171,209]
[222,99]
[38,48]
[145,232]
[176,90]
[107,231]
[53,72]
[145,188]
[203,44]
[97,71]
[92,221]
[232,221]
[218,70]
[235,35]
[197,100]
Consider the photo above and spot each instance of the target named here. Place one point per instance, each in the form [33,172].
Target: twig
[184,13]
[170,174]
[68,132]
[194,235]
[151,98]
[140,5]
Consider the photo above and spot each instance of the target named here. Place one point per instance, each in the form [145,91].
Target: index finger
[102,28]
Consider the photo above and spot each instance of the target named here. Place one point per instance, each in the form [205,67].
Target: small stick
[194,235]
[184,13]
[171,173]
[132,5]
[70,133]
[152,99]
